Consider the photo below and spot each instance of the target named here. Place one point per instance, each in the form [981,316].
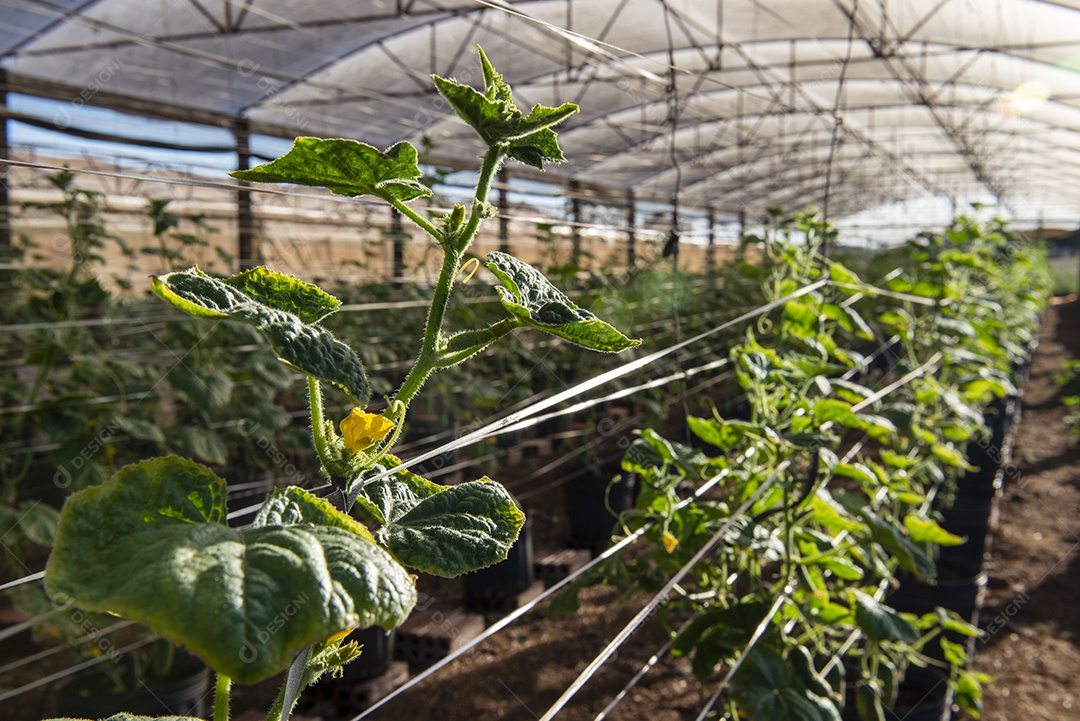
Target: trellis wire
[498,426]
[660,597]
[27,660]
[52,678]
[506,621]
[233,187]
[495,429]
[773,610]
[645,668]
[709,546]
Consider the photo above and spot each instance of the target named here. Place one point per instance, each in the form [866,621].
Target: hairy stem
[320,433]
[421,222]
[222,687]
[492,160]
[430,358]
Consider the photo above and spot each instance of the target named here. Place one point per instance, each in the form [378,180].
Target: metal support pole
[742,232]
[397,235]
[710,250]
[504,207]
[5,152]
[245,218]
[631,234]
[575,217]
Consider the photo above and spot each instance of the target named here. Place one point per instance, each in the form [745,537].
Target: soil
[1032,611]
[1031,617]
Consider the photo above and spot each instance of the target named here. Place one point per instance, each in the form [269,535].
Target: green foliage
[498,122]
[532,299]
[345,167]
[244,600]
[442,530]
[818,536]
[151,543]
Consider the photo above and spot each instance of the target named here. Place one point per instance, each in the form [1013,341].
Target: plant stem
[274,714]
[468,343]
[428,359]
[421,222]
[430,352]
[221,697]
[319,430]
[493,158]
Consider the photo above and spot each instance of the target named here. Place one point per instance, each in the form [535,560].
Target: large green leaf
[392,497]
[294,506]
[536,303]
[306,301]
[765,687]
[277,306]
[899,545]
[496,119]
[345,167]
[151,544]
[880,622]
[442,530]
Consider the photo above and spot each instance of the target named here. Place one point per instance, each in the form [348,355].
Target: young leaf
[495,118]
[536,303]
[278,315]
[442,530]
[345,167]
[925,530]
[244,600]
[460,529]
[838,412]
[909,554]
[856,471]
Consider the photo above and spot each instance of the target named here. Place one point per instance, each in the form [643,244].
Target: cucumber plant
[827,487]
[152,544]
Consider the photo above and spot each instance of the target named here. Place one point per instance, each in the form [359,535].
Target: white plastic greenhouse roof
[732,104]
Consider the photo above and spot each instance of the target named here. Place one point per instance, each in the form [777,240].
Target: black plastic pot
[923,696]
[375,658]
[86,695]
[987,454]
[962,595]
[972,518]
[979,485]
[489,586]
[591,508]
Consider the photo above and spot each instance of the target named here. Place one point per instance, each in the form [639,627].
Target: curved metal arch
[780,137]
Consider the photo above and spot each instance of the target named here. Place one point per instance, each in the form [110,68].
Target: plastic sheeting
[731,104]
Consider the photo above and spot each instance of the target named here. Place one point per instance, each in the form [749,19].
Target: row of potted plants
[833,495]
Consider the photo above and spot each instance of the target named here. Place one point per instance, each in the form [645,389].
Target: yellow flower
[669,541]
[362,430]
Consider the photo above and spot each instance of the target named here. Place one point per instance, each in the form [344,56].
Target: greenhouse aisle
[1032,613]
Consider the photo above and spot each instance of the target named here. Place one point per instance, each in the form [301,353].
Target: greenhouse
[576,359]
